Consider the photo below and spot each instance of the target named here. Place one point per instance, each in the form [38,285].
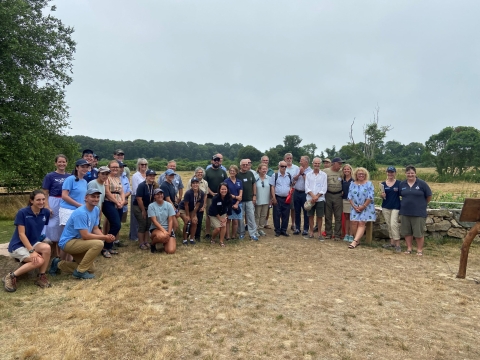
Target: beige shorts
[347,207]
[22,253]
[216,222]
[412,225]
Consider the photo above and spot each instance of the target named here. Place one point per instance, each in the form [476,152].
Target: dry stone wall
[439,223]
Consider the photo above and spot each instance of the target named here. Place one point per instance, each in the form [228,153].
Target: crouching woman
[26,245]
[162,231]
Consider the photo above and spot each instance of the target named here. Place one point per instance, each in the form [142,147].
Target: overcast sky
[252,72]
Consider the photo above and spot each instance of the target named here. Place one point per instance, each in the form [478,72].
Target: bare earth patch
[281,298]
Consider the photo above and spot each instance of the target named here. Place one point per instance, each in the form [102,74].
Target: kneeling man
[82,239]
[162,230]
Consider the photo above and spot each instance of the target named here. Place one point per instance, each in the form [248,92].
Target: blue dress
[359,194]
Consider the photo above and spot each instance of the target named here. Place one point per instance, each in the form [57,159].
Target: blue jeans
[281,211]
[249,210]
[114,217]
[299,200]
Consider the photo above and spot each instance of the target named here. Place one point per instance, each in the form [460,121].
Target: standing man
[82,239]
[300,195]
[99,185]
[315,188]
[143,198]
[265,160]
[220,156]
[176,181]
[119,155]
[280,185]
[333,199]
[292,169]
[214,176]
[249,198]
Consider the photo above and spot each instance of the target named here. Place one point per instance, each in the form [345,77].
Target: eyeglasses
[360,174]
[283,166]
[244,164]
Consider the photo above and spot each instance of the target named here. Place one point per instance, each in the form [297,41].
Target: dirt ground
[280,298]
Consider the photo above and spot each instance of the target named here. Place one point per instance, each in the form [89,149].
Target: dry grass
[277,299]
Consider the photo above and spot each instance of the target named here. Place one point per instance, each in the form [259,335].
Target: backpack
[276,177]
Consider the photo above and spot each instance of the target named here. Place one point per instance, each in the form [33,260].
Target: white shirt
[316,183]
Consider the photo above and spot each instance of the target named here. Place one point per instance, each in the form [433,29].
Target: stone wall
[439,223]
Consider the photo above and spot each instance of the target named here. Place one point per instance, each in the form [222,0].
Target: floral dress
[359,194]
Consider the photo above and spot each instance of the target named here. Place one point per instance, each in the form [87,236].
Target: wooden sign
[470,210]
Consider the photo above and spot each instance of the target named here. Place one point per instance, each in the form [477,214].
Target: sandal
[419,253]
[222,244]
[113,252]
[212,241]
[106,254]
[351,246]
[144,246]
[408,252]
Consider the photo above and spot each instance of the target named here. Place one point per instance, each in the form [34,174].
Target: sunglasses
[143,164]
[217,159]
[263,185]
[283,166]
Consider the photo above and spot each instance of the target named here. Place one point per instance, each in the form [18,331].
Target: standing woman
[263,198]
[202,185]
[235,187]
[137,178]
[74,189]
[113,205]
[26,245]
[391,207]
[416,195]
[52,187]
[347,180]
[219,210]
[360,195]
[188,207]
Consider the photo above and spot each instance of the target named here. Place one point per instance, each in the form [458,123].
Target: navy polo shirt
[392,200]
[414,199]
[168,190]
[346,187]
[33,226]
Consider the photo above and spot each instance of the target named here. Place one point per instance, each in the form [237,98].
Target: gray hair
[199,168]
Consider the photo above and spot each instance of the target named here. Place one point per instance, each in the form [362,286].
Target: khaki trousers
[84,253]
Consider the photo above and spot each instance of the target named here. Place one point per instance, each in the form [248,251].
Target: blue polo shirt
[392,200]
[53,183]
[33,226]
[282,186]
[76,190]
[414,199]
[81,219]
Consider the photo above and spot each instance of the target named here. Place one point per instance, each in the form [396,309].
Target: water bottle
[188,228]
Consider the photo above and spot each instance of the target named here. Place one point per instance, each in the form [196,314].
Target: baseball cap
[118,152]
[215,157]
[120,163]
[157,190]
[337,159]
[81,162]
[96,156]
[326,160]
[170,172]
[391,168]
[150,172]
[194,179]
[103,169]
[93,191]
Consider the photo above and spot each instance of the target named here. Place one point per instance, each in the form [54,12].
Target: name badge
[219,203]
[339,179]
[244,180]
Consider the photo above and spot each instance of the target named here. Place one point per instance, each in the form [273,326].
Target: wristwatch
[31,251]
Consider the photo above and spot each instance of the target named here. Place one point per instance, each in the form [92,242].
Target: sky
[253,71]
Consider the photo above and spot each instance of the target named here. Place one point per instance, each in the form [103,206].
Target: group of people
[236,201]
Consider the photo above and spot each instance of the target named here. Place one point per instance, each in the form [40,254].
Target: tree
[291,144]
[249,152]
[309,150]
[36,53]
[453,150]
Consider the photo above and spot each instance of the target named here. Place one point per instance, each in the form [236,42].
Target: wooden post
[369,232]
[467,241]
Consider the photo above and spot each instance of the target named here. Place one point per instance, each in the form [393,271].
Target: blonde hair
[350,166]
[367,174]
[234,167]
[260,166]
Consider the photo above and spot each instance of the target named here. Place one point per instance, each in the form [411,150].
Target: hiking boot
[82,275]
[54,267]
[398,249]
[10,282]
[42,281]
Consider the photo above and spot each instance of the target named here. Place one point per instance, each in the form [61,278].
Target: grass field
[280,298]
